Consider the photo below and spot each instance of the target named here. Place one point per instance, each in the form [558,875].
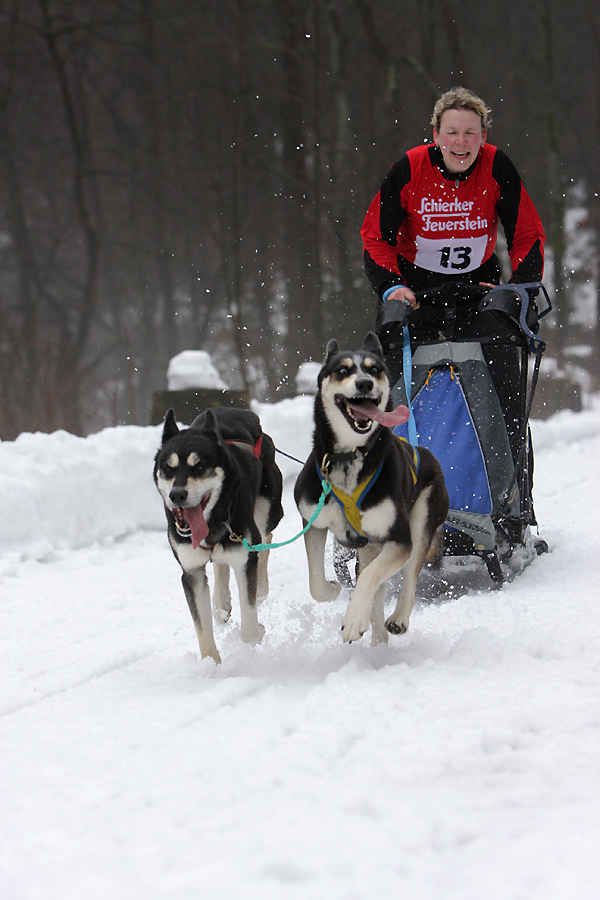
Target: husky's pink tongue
[369,411]
[194,516]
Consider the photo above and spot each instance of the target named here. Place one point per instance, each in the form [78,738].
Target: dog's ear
[372,344]
[211,424]
[330,351]
[332,348]
[170,428]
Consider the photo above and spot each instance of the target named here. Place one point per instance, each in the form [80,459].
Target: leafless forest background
[180,174]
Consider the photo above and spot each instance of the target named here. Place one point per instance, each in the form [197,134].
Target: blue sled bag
[459,419]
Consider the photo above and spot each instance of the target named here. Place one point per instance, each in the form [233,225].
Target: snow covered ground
[461,762]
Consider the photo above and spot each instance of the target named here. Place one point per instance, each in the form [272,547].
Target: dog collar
[350,455]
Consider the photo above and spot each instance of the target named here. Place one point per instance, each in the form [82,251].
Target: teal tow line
[256,548]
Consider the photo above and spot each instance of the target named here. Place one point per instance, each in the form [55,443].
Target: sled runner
[466,353]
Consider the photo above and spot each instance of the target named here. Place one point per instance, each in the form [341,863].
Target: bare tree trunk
[298,191]
[157,181]
[555,182]
[75,331]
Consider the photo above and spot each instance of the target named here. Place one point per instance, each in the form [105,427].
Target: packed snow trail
[459,762]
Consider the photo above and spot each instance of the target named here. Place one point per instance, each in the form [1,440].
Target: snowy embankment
[459,762]
[62,492]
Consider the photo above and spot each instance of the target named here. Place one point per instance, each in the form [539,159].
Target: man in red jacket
[435,218]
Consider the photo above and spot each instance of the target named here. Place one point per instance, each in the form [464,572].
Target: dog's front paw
[396,627]
[253,635]
[210,651]
[326,591]
[354,624]
[221,615]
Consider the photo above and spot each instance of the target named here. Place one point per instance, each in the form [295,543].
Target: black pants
[504,364]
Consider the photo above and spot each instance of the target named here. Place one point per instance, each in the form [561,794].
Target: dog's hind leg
[263,517]
[262,588]
[221,594]
[358,615]
[251,631]
[397,623]
[322,590]
[197,593]
[379,635]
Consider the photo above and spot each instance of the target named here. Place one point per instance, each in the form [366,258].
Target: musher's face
[459,138]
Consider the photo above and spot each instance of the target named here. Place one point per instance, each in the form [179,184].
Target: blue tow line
[407,375]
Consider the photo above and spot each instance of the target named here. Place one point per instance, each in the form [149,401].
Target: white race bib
[450,255]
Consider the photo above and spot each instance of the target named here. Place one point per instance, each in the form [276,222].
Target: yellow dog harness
[351,503]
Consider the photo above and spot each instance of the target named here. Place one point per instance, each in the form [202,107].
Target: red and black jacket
[427,225]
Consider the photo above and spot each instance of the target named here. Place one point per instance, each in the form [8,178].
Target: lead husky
[220,483]
[388,501]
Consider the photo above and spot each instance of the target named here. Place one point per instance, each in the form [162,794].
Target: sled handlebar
[440,304]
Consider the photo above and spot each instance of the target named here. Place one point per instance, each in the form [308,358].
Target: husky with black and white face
[354,391]
[219,483]
[382,503]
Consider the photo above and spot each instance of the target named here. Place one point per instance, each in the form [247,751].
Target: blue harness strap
[407,375]
[416,460]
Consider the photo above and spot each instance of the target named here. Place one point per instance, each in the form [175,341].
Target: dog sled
[466,355]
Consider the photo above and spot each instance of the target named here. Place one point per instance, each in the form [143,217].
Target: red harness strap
[246,445]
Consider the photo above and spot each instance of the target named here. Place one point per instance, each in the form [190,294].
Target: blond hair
[461,98]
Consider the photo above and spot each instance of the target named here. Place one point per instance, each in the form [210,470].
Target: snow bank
[60,492]
[566,427]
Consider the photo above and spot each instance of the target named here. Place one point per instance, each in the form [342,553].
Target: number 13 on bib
[450,255]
